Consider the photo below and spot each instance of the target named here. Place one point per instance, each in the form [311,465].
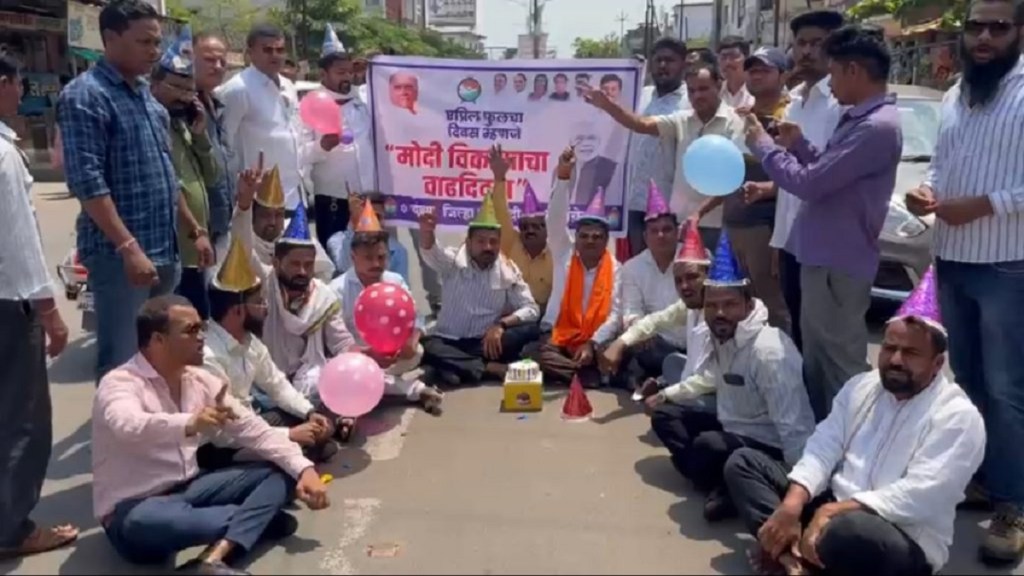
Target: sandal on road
[42,540]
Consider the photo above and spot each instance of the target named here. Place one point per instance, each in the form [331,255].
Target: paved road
[472,492]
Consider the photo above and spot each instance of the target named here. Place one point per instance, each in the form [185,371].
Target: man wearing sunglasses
[975,188]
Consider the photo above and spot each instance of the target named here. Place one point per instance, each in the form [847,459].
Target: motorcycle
[75,278]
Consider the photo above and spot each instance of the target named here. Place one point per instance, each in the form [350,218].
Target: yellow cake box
[524,387]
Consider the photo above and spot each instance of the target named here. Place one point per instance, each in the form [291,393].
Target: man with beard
[733,52]
[527,247]
[761,399]
[267,219]
[194,164]
[339,170]
[686,313]
[975,188]
[876,489]
[487,312]
[846,189]
[369,256]
[748,216]
[648,285]
[340,245]
[150,417]
[649,158]
[586,288]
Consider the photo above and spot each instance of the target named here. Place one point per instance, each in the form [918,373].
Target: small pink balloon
[385,316]
[347,137]
[351,384]
[321,113]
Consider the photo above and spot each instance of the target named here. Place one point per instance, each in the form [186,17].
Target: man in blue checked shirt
[118,164]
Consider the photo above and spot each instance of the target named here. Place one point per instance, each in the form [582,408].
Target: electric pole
[778,17]
[535,17]
[622,30]
[682,20]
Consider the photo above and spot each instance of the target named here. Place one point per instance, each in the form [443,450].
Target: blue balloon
[713,165]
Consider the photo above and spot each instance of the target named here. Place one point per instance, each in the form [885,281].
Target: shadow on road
[76,363]
[72,455]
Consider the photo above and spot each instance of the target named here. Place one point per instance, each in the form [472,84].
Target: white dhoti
[396,383]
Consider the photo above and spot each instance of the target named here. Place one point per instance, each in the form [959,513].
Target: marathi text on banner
[435,121]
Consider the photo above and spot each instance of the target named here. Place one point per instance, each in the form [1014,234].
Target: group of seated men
[193,420]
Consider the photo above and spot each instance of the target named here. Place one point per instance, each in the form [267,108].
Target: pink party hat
[656,206]
[923,302]
[531,207]
[595,210]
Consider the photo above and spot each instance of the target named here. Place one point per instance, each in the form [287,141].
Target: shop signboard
[84,26]
[20,21]
[41,91]
[451,12]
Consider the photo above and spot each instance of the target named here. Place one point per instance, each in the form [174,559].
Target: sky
[503,20]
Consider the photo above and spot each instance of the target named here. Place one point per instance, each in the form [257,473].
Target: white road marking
[357,515]
[388,444]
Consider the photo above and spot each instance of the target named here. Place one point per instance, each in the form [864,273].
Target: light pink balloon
[351,384]
[320,112]
[385,316]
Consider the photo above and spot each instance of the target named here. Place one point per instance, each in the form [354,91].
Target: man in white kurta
[881,476]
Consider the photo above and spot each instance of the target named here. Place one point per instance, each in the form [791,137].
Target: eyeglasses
[995,28]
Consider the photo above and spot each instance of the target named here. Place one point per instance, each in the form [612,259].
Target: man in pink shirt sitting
[150,416]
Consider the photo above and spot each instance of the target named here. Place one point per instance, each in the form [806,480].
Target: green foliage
[953,14]
[608,47]
[229,19]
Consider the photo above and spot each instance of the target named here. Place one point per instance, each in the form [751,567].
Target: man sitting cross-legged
[150,416]
[369,257]
[487,312]
[761,399]
[877,487]
[583,309]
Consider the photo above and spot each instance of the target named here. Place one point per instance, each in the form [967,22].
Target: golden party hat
[270,193]
[368,221]
[486,216]
[236,273]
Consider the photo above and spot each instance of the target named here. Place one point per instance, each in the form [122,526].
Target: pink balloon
[385,317]
[321,113]
[351,384]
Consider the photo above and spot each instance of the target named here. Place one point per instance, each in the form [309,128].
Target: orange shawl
[576,326]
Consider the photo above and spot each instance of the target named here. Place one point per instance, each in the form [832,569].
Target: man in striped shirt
[975,188]
[475,336]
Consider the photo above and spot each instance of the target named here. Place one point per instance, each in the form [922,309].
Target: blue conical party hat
[725,271]
[178,57]
[332,44]
[297,231]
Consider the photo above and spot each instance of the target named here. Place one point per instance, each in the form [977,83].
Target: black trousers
[26,419]
[789,277]
[698,445]
[464,358]
[331,215]
[192,286]
[853,543]
[210,457]
[643,361]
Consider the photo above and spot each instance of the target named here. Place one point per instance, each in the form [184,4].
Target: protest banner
[435,120]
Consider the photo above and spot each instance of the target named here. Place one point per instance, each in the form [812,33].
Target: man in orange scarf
[585,291]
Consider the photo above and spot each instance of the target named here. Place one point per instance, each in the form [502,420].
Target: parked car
[906,240]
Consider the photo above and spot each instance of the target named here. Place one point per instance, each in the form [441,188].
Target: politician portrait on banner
[435,120]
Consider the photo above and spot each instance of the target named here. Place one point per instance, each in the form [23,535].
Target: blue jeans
[983,310]
[235,504]
[117,303]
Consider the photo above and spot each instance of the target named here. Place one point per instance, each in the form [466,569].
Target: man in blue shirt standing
[118,164]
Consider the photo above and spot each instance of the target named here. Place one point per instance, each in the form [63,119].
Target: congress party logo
[469,90]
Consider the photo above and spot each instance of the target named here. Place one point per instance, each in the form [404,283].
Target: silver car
[906,240]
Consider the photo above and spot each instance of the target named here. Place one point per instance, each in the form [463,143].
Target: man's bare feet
[793,565]
[431,398]
[496,370]
[345,428]
[763,564]
[42,540]
[648,388]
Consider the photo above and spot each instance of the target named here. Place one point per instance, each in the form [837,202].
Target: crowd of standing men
[167,160]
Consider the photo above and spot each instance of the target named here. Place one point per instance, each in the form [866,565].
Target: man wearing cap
[174,87]
[648,286]
[586,288]
[689,270]
[369,256]
[761,400]
[339,246]
[526,246]
[487,314]
[876,489]
[749,217]
[339,166]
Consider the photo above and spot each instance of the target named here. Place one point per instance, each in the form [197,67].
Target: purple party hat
[595,209]
[725,271]
[923,302]
[531,207]
[656,206]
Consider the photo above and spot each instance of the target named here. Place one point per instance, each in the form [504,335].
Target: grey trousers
[835,332]
[26,426]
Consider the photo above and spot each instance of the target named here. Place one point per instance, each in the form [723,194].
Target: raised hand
[499,165]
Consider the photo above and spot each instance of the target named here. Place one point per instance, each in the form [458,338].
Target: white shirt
[909,461]
[817,116]
[646,290]
[23,271]
[348,167]
[562,246]
[260,115]
[649,158]
[741,99]
[980,152]
[244,364]
[680,130]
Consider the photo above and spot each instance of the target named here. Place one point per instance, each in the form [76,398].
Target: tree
[229,19]
[608,47]
[952,17]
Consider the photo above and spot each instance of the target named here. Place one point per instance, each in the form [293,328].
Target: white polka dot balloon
[382,314]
